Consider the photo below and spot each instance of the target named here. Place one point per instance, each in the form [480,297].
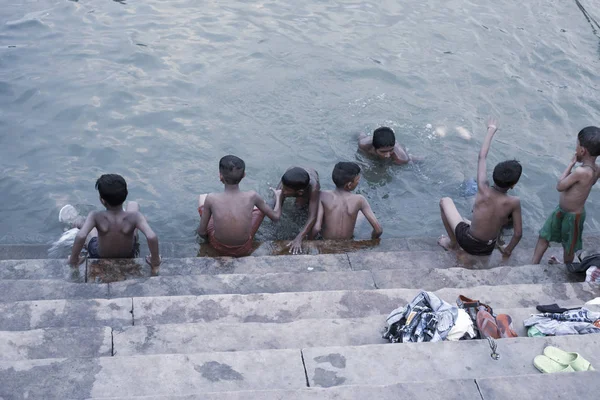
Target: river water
[159,90]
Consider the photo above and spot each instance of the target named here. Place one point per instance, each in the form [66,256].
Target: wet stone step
[50,289]
[41,269]
[56,343]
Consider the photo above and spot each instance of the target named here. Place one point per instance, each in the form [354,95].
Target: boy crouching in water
[339,208]
[491,211]
[565,224]
[113,233]
[230,219]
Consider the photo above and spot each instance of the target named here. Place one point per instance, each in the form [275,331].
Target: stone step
[267,307]
[182,375]
[303,333]
[385,364]
[580,385]
[56,342]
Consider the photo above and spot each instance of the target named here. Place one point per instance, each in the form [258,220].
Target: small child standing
[339,208]
[565,224]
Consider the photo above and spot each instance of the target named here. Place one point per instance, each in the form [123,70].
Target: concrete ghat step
[580,385]
[202,337]
[53,343]
[128,377]
[287,307]
[41,269]
[384,364]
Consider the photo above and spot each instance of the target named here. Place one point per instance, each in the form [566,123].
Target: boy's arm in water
[517,230]
[273,213]
[86,228]
[482,184]
[365,142]
[206,214]
[144,227]
[365,208]
[568,179]
[319,223]
[400,155]
[313,208]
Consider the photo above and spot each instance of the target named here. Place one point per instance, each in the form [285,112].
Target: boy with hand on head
[231,219]
[491,211]
[565,224]
[339,208]
[113,233]
[303,184]
[382,144]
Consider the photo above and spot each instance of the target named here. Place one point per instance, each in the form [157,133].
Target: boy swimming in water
[113,233]
[339,208]
[565,224]
[382,144]
[303,184]
[491,210]
[231,219]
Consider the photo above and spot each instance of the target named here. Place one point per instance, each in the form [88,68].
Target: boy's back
[116,232]
[491,212]
[232,214]
[340,210]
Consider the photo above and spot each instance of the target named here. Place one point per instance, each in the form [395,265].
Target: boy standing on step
[339,208]
[113,233]
[492,209]
[565,224]
[230,219]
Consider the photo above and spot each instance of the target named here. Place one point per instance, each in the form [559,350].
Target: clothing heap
[590,265]
[557,321]
[427,318]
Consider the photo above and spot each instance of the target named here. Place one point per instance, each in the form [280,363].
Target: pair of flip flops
[496,327]
[557,360]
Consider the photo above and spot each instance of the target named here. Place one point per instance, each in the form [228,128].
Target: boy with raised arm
[382,144]
[491,211]
[303,184]
[112,233]
[230,219]
[565,224]
[339,208]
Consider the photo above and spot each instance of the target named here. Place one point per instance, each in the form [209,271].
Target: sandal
[574,360]
[505,327]
[486,324]
[549,366]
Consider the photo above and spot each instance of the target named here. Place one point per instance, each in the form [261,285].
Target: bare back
[340,210]
[232,215]
[491,212]
[573,198]
[116,232]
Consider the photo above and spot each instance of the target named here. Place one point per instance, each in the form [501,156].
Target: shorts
[92,248]
[470,243]
[226,250]
[565,228]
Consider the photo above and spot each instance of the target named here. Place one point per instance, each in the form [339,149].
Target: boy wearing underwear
[565,224]
[229,220]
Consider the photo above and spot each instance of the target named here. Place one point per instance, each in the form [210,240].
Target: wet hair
[383,137]
[112,189]
[232,169]
[507,173]
[296,178]
[344,172]
[589,139]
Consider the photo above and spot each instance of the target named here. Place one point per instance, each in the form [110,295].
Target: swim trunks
[93,252]
[565,228]
[226,250]
[470,243]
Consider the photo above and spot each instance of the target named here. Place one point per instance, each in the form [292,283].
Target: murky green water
[159,90]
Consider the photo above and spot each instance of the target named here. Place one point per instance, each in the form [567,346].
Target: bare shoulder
[365,142]
[515,202]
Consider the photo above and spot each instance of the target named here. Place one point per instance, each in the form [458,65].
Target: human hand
[574,159]
[295,246]
[75,262]
[492,123]
[504,252]
[153,261]
[276,193]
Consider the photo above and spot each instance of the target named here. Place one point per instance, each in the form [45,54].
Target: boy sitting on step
[491,210]
[565,224]
[113,233]
[230,219]
[339,208]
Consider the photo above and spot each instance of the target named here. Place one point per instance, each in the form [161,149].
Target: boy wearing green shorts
[565,224]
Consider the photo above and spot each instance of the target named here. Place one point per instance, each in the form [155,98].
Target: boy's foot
[446,243]
[553,260]
[68,215]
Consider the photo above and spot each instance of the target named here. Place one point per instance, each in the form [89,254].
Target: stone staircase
[275,327]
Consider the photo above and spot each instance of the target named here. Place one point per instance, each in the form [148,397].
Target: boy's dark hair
[589,138]
[112,189]
[383,137]
[232,169]
[296,178]
[344,172]
[507,173]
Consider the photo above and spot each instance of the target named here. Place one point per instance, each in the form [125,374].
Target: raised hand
[492,123]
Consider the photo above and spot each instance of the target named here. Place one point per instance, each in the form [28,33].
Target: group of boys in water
[230,219]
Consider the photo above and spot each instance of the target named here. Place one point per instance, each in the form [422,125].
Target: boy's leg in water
[451,218]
